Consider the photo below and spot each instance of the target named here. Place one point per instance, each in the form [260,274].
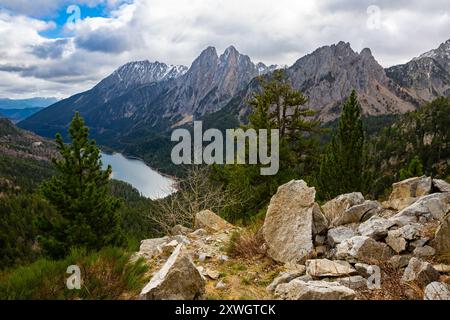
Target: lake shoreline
[150,182]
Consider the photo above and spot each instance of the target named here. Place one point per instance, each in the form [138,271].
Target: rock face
[288,226]
[328,268]
[362,249]
[425,77]
[420,272]
[178,279]
[314,290]
[437,291]
[406,192]
[210,221]
[335,208]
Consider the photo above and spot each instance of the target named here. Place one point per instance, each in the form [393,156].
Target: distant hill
[26,103]
[16,115]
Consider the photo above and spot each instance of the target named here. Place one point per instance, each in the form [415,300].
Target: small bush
[106,274]
[247,244]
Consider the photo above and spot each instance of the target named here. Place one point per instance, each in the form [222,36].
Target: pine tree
[414,169]
[342,165]
[276,106]
[87,213]
[279,106]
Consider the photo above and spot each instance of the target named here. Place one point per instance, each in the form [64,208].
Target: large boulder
[434,206]
[178,279]
[437,291]
[420,271]
[339,234]
[211,222]
[328,268]
[358,213]
[335,208]
[375,227]
[441,240]
[441,185]
[407,191]
[314,290]
[362,249]
[288,226]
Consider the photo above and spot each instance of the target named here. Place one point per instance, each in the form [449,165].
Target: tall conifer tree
[87,213]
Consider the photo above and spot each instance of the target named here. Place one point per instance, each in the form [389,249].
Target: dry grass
[246,244]
[392,288]
[245,279]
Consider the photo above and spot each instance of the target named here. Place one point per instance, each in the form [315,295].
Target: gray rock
[433,206]
[441,185]
[419,242]
[400,261]
[441,241]
[353,282]
[335,208]
[362,249]
[397,243]
[375,227]
[221,285]
[339,234]
[358,213]
[421,272]
[319,240]
[180,230]
[211,222]
[288,226]
[283,277]
[425,251]
[365,270]
[314,290]
[178,279]
[320,222]
[437,291]
[152,247]
[329,268]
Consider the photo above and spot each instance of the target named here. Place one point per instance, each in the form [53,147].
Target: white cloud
[175,31]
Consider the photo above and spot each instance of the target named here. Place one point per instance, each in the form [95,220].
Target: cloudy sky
[55,48]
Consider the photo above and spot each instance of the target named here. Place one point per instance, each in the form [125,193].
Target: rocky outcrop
[178,279]
[314,290]
[288,226]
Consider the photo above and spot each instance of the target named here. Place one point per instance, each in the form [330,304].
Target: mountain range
[144,99]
